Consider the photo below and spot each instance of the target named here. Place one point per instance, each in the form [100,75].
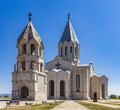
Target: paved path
[70,105]
[2,104]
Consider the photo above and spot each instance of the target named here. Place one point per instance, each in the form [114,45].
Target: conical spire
[29,32]
[68,33]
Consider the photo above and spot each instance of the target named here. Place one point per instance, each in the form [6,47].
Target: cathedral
[64,77]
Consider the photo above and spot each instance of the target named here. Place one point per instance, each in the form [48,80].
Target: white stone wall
[58,76]
[65,65]
[95,86]
[71,56]
[104,81]
[84,83]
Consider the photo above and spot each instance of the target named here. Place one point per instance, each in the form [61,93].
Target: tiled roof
[29,32]
[69,34]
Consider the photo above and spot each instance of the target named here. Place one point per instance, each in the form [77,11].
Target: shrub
[118,97]
[6,96]
[113,96]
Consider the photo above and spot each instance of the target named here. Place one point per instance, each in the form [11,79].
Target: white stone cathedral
[63,78]
[29,81]
[67,77]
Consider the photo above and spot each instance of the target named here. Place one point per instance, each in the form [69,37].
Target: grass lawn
[113,102]
[5,98]
[46,106]
[95,107]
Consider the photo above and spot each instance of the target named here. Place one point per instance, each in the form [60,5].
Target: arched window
[33,65]
[61,51]
[65,50]
[41,67]
[76,51]
[103,91]
[71,49]
[78,83]
[23,65]
[24,49]
[51,88]
[40,49]
[62,88]
[33,49]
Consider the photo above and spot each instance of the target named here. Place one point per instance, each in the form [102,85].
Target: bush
[118,97]
[6,96]
[113,96]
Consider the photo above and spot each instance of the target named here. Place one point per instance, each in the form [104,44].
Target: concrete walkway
[70,105]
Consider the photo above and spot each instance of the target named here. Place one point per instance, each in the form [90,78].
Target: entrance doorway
[24,92]
[95,97]
[62,88]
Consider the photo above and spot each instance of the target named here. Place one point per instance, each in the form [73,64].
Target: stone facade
[67,77]
[29,82]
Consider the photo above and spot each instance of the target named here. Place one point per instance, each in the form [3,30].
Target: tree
[113,96]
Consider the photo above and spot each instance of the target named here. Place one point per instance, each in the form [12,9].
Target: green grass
[95,107]
[113,103]
[5,98]
[47,106]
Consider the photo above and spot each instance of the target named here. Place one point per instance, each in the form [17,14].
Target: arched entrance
[95,97]
[24,92]
[103,91]
[51,88]
[62,88]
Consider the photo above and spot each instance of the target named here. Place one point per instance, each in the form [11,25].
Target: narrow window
[51,88]
[71,49]
[76,51]
[33,65]
[62,88]
[41,67]
[77,83]
[24,49]
[33,49]
[103,91]
[65,50]
[61,51]
[40,51]
[23,65]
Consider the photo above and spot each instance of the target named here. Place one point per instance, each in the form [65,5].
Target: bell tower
[68,46]
[29,81]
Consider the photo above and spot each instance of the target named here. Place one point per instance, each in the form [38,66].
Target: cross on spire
[68,15]
[58,65]
[29,15]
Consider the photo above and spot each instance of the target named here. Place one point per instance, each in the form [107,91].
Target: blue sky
[96,23]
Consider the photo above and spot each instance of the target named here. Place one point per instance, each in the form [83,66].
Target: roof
[30,32]
[57,70]
[99,75]
[69,33]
